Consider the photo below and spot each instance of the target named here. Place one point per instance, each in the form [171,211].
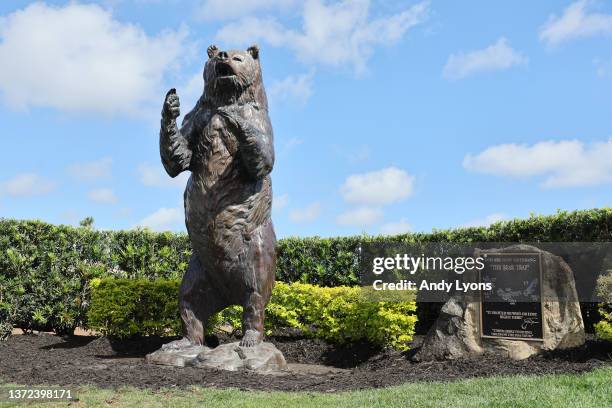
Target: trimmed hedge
[134,307]
[45,269]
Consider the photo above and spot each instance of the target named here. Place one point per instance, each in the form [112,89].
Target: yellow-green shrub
[129,307]
[342,314]
[603,328]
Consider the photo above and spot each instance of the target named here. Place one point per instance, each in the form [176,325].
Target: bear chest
[220,151]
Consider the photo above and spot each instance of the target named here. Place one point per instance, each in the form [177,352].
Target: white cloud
[488,220]
[164,219]
[26,185]
[154,176]
[306,214]
[380,187]
[335,34]
[575,22]
[102,196]
[228,9]
[567,163]
[292,88]
[280,202]
[77,58]
[394,228]
[252,29]
[360,217]
[93,170]
[497,57]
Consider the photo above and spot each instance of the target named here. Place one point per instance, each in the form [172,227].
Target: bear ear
[254,51]
[212,51]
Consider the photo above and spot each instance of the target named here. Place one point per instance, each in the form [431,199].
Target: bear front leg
[173,143]
[256,147]
[257,152]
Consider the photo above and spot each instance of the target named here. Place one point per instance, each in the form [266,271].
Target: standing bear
[226,142]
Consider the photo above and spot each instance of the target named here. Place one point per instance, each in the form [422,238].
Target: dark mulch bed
[50,360]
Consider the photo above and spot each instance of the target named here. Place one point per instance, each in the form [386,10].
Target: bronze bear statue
[226,142]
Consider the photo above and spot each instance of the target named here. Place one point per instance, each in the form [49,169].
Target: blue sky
[388,115]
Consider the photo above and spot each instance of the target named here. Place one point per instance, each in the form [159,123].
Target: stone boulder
[175,356]
[456,332]
[262,358]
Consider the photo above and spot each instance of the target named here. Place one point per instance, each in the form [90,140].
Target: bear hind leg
[252,320]
[262,258]
[197,303]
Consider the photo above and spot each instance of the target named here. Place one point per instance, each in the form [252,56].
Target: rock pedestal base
[264,357]
[177,357]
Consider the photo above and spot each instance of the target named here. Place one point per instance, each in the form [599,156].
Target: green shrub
[129,307]
[6,320]
[604,289]
[44,285]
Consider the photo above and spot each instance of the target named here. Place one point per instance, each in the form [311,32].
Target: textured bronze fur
[226,142]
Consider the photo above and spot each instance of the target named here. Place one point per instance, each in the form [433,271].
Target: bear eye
[237,58]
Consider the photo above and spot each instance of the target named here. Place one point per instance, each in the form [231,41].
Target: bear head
[233,76]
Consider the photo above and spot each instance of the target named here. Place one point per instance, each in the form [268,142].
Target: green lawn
[593,389]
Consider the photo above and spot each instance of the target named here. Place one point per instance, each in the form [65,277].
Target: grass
[593,389]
